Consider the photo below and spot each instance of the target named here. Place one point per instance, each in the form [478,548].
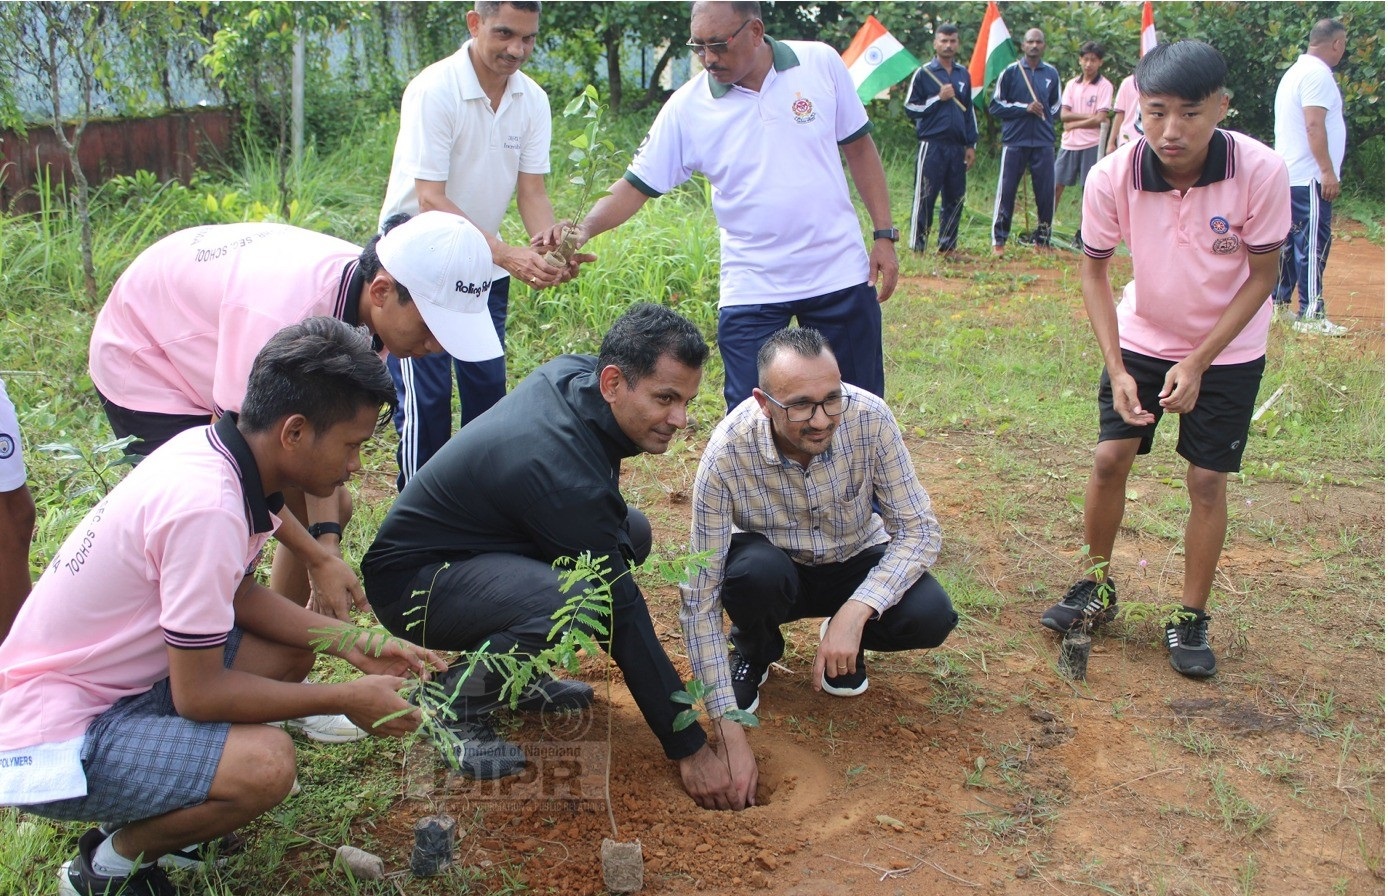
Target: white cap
[444,262]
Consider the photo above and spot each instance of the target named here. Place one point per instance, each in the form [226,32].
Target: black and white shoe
[482,753]
[747,681]
[76,877]
[1188,640]
[1086,605]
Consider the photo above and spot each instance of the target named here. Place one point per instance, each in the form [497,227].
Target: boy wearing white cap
[173,345]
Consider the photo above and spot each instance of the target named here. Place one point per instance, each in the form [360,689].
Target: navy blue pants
[1305,252]
[763,589]
[424,386]
[1016,160]
[849,319]
[939,169]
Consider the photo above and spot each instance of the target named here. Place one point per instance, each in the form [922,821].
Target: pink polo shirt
[154,565]
[184,322]
[1086,97]
[1190,253]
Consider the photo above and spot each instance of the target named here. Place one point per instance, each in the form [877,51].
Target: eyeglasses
[719,47]
[804,411]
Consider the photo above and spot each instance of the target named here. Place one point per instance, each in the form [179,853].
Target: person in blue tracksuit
[1026,100]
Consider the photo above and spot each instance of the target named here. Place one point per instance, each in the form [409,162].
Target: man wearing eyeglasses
[766,127]
[784,506]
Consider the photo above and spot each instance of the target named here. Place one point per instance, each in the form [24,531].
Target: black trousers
[506,600]
[764,589]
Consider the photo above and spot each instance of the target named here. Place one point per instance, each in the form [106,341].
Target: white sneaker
[1319,326]
[326,729]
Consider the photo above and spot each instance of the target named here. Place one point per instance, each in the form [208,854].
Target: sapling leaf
[684,697]
[685,719]
[742,717]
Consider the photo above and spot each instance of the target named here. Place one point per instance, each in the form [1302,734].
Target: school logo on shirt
[802,109]
[1219,225]
[513,142]
[1226,245]
[6,446]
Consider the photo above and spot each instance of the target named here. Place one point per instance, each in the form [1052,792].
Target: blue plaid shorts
[143,759]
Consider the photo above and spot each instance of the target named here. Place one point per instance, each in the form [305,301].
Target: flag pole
[938,83]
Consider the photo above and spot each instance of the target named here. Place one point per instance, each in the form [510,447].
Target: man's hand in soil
[737,755]
[334,587]
[707,779]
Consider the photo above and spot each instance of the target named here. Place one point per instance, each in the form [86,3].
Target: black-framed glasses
[719,47]
[803,411]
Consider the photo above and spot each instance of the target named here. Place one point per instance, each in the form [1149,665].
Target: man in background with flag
[947,130]
[1027,101]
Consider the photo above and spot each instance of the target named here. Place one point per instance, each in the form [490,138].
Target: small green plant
[589,154]
[91,469]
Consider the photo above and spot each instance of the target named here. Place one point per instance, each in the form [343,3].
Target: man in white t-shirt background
[474,131]
[1310,138]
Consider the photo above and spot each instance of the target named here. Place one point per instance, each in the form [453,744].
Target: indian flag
[876,60]
[993,52]
[1149,30]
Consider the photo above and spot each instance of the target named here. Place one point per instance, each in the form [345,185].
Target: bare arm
[1103,318]
[532,201]
[1320,150]
[16,530]
[865,165]
[613,210]
[521,262]
[335,587]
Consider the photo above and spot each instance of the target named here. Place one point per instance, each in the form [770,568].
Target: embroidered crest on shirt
[802,109]
[1219,225]
[6,445]
[1226,245]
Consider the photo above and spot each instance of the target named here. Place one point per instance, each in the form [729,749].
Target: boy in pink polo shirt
[1203,212]
[148,715]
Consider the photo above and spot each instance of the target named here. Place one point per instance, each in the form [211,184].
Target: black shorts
[149,428]
[1213,434]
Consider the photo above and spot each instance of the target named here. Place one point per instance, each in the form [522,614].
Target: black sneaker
[1083,606]
[484,754]
[1042,238]
[555,693]
[76,878]
[747,681]
[850,685]
[1189,643]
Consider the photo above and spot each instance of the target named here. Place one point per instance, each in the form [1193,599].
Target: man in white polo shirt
[139,672]
[1203,213]
[474,131]
[1310,136]
[766,126]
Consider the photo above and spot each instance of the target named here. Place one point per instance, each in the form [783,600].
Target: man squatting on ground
[16,517]
[173,345]
[808,505]
[1084,108]
[148,717]
[940,102]
[474,131]
[766,126]
[1203,212]
[464,556]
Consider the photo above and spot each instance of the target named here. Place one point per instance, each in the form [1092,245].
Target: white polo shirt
[12,472]
[787,226]
[449,133]
[182,325]
[154,565]
[1086,97]
[1190,252]
[1309,82]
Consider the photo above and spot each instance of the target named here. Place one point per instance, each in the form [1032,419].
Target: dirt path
[975,768]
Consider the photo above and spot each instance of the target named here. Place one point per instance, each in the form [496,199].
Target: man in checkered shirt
[808,504]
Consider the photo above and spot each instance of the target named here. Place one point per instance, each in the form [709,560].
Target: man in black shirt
[464,556]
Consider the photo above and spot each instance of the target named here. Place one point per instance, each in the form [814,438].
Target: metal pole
[296,126]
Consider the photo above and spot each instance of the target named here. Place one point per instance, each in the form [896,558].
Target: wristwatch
[318,530]
[891,233]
